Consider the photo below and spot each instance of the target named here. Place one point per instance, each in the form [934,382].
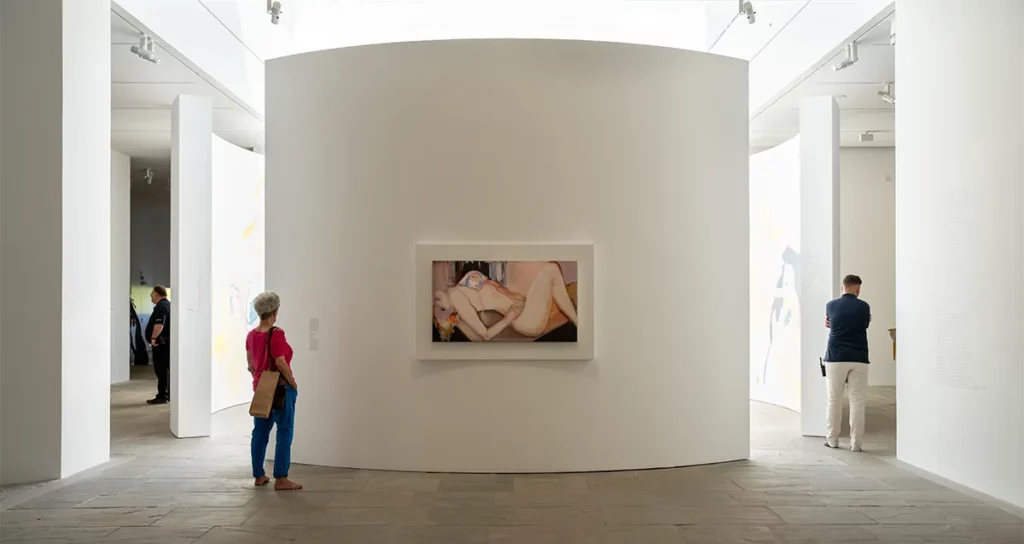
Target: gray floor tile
[909,515]
[156,535]
[476,482]
[402,481]
[698,534]
[391,517]
[372,498]
[454,499]
[647,515]
[56,534]
[562,483]
[440,535]
[823,515]
[192,516]
[537,535]
[980,514]
[473,516]
[83,517]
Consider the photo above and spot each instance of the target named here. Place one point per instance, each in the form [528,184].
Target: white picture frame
[428,350]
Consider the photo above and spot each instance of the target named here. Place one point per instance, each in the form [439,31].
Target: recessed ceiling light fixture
[747,10]
[850,60]
[145,49]
[886,94]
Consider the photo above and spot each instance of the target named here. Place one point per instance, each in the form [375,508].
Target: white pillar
[818,277]
[120,272]
[191,262]
[54,238]
[960,241]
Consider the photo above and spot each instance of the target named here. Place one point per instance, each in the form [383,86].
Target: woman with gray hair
[264,344]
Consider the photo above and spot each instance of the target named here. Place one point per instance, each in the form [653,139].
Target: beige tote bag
[263,400]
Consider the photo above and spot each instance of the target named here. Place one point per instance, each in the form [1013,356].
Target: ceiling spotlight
[747,9]
[274,10]
[145,50]
[867,136]
[851,58]
[886,94]
[892,32]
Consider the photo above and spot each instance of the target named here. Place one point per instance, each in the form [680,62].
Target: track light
[850,60]
[892,32]
[145,50]
[274,10]
[747,9]
[149,176]
[886,94]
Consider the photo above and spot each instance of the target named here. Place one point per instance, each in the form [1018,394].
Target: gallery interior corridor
[163,490]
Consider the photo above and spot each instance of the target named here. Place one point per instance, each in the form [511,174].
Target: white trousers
[837,376]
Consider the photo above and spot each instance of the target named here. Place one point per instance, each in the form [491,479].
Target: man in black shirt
[846,361]
[158,334]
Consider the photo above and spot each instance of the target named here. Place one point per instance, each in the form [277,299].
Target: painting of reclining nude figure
[504,301]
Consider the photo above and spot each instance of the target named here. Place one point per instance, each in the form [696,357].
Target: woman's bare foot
[284,484]
[261,481]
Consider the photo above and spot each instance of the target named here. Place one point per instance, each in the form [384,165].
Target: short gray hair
[266,304]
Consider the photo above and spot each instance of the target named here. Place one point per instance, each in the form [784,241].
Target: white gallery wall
[55,239]
[120,276]
[237,268]
[960,243]
[191,258]
[867,244]
[775,363]
[374,149]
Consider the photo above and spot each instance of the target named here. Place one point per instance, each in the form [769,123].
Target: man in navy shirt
[158,333]
[846,361]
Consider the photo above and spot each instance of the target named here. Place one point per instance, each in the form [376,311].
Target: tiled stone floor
[162,490]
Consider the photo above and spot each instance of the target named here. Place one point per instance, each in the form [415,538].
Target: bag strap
[270,357]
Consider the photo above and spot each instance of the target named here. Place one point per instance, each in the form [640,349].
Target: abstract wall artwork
[504,301]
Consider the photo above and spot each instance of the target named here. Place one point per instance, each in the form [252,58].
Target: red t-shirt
[256,345]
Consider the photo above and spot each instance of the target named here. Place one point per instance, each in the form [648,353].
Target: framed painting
[504,301]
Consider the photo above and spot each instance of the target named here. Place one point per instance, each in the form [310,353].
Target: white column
[819,249]
[960,242]
[54,238]
[191,246]
[120,276]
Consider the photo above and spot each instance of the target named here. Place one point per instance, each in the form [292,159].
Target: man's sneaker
[833,446]
[855,448]
[158,400]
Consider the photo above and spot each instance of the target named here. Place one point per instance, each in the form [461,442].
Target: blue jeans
[284,418]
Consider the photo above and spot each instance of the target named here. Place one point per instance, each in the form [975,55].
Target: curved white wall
[640,150]
[237,268]
[774,273]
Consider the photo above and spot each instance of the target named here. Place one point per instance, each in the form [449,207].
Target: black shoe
[158,400]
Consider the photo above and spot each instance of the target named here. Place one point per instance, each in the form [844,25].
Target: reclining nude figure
[529,315]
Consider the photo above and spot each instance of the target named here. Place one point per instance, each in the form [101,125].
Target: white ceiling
[856,91]
[141,97]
